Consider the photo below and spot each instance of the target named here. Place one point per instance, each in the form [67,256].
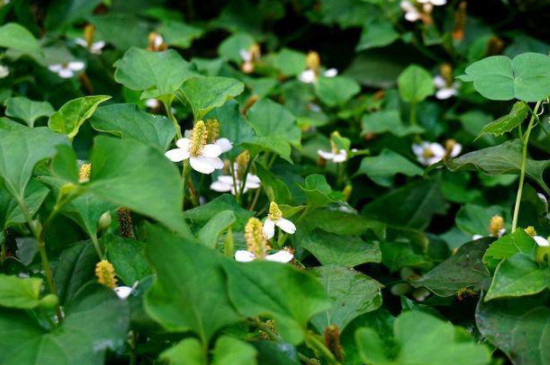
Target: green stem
[313,342]
[525,143]
[228,244]
[97,247]
[255,200]
[412,116]
[168,108]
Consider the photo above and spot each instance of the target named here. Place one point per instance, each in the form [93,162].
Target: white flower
[414,13]
[66,70]
[430,153]
[4,71]
[95,47]
[309,76]
[246,56]
[444,90]
[281,256]
[541,241]
[157,40]
[152,103]
[225,183]
[224,144]
[275,218]
[203,157]
[337,157]
[433,2]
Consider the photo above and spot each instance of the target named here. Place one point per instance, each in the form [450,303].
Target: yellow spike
[198,139]
[256,241]
[105,273]
[274,212]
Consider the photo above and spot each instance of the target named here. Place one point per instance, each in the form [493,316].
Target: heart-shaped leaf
[74,113]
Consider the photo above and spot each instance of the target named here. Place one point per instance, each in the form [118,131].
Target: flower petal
[65,73]
[286,225]
[269,228]
[204,165]
[177,154]
[457,148]
[211,150]
[445,93]
[437,150]
[183,143]
[76,65]
[326,155]
[244,256]
[123,292]
[340,156]
[440,82]
[281,256]
[55,68]
[331,72]
[541,241]
[307,77]
[224,144]
[221,187]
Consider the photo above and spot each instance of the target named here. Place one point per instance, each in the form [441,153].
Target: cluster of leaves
[403,250]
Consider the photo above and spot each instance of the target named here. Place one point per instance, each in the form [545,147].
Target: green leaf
[518,276]
[273,120]
[19,40]
[206,93]
[128,174]
[28,110]
[387,121]
[229,350]
[74,113]
[292,297]
[96,320]
[343,250]
[376,33]
[204,213]
[509,245]
[63,13]
[187,352]
[142,70]
[464,269]
[290,62]
[475,219]
[10,210]
[20,293]
[179,34]
[231,47]
[526,77]
[396,255]
[277,145]
[122,30]
[318,192]
[128,258]
[209,234]
[20,150]
[351,293]
[499,160]
[518,327]
[126,121]
[337,90]
[509,122]
[190,292]
[382,168]
[412,205]
[415,84]
[421,338]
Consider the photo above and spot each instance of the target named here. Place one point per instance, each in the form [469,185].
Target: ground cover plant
[274,182]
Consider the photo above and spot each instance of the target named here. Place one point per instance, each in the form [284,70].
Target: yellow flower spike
[105,273]
[449,146]
[333,145]
[242,161]
[256,241]
[84,172]
[446,71]
[348,189]
[89,31]
[199,139]
[212,130]
[274,212]
[313,61]
[531,231]
[496,225]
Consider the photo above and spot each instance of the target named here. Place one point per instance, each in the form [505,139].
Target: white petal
[281,256]
[253,180]
[501,232]
[544,199]
[81,42]
[440,82]
[244,256]
[76,65]
[433,160]
[457,148]
[286,225]
[65,73]
[439,2]
[326,155]
[331,72]
[245,55]
[211,150]
[412,16]
[4,71]
[445,93]
[152,103]
[251,183]
[183,143]
[177,154]
[407,6]
[97,47]
[476,237]
[340,156]
[224,144]
[437,150]
[221,187]
[204,165]
[418,149]
[123,292]
[541,241]
[217,163]
[55,68]
[269,228]
[226,179]
[307,77]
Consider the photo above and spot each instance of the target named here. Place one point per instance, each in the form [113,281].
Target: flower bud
[531,231]
[104,221]
[105,273]
[84,172]
[313,61]
[496,226]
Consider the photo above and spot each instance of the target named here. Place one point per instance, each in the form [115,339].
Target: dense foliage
[274,182]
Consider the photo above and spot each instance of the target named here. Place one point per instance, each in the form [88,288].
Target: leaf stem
[171,116]
[525,143]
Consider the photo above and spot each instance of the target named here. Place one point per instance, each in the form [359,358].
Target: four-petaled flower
[226,183]
[445,90]
[95,47]
[275,218]
[258,246]
[430,153]
[336,154]
[66,70]
[203,157]
[313,69]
